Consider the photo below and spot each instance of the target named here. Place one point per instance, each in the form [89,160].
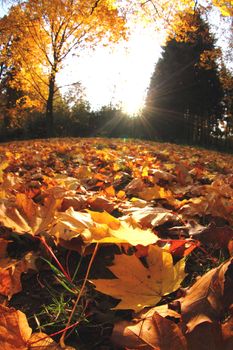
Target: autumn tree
[185,92]
[22,81]
[54,30]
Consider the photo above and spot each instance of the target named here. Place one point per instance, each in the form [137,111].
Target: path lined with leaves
[135,220]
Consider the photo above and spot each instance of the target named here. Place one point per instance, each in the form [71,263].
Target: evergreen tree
[183,100]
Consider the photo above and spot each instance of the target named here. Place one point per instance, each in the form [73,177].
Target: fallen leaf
[15,333]
[155,192]
[162,175]
[3,248]
[102,227]
[138,286]
[10,273]
[180,247]
[105,218]
[77,202]
[14,329]
[4,164]
[220,236]
[41,341]
[134,187]
[207,299]
[149,332]
[205,336]
[100,203]
[227,332]
[25,216]
[152,216]
[70,224]
[128,234]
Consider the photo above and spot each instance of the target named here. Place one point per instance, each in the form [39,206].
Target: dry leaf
[15,333]
[206,336]
[25,216]
[3,248]
[100,203]
[78,203]
[105,218]
[70,224]
[14,329]
[41,341]
[149,332]
[208,297]
[220,236]
[94,227]
[152,216]
[227,332]
[138,286]
[10,273]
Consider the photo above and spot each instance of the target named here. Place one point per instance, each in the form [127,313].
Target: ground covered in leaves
[115,244]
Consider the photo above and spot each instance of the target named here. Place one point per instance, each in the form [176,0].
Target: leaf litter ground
[115,244]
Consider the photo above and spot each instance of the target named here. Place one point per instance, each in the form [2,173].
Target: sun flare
[118,76]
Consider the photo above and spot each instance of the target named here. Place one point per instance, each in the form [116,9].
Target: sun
[134,98]
[117,76]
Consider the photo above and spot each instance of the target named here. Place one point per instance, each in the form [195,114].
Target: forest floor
[115,244]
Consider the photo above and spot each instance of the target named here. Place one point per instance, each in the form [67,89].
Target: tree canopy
[46,32]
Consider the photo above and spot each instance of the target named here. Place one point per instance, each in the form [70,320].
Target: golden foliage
[43,33]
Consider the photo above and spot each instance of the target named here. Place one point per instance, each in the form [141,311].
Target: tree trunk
[49,106]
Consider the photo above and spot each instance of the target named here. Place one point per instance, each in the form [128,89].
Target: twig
[62,339]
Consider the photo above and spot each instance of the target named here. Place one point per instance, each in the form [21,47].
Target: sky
[119,75]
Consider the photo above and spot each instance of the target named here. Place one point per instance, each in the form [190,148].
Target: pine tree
[183,100]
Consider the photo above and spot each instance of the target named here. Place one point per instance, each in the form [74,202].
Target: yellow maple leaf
[138,286]
[125,233]
[104,218]
[98,227]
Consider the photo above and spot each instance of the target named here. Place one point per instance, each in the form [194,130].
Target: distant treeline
[112,122]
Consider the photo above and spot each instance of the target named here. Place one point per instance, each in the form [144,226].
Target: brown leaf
[3,248]
[215,235]
[10,274]
[14,329]
[205,336]
[152,216]
[134,187]
[227,332]
[101,204]
[162,175]
[78,203]
[207,299]
[155,192]
[149,332]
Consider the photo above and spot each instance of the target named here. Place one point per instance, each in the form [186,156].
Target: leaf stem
[43,241]
[62,339]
